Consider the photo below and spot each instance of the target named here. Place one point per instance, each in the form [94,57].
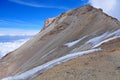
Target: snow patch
[40,69]
[115,33]
[107,40]
[97,41]
[70,44]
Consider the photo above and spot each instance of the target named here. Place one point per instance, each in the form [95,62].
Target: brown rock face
[48,22]
[77,30]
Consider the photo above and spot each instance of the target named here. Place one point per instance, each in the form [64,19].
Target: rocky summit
[80,44]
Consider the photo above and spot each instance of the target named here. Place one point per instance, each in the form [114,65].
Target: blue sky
[29,15]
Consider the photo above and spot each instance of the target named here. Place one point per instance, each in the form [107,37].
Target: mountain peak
[73,33]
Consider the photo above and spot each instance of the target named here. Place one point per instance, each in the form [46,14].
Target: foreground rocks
[103,65]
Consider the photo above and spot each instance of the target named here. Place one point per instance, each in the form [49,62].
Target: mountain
[76,45]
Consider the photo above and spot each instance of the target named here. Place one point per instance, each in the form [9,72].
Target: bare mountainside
[74,33]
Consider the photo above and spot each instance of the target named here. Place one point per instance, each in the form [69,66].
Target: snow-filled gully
[28,75]
[106,37]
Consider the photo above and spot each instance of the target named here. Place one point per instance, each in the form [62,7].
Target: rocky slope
[103,65]
[78,30]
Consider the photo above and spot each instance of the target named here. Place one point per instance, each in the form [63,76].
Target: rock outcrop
[74,31]
[48,22]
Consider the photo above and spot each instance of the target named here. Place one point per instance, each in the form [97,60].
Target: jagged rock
[48,22]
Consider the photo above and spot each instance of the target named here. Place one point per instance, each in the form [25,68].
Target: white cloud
[33,4]
[6,47]
[111,7]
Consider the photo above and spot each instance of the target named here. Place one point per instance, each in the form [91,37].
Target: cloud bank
[111,7]
[6,47]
